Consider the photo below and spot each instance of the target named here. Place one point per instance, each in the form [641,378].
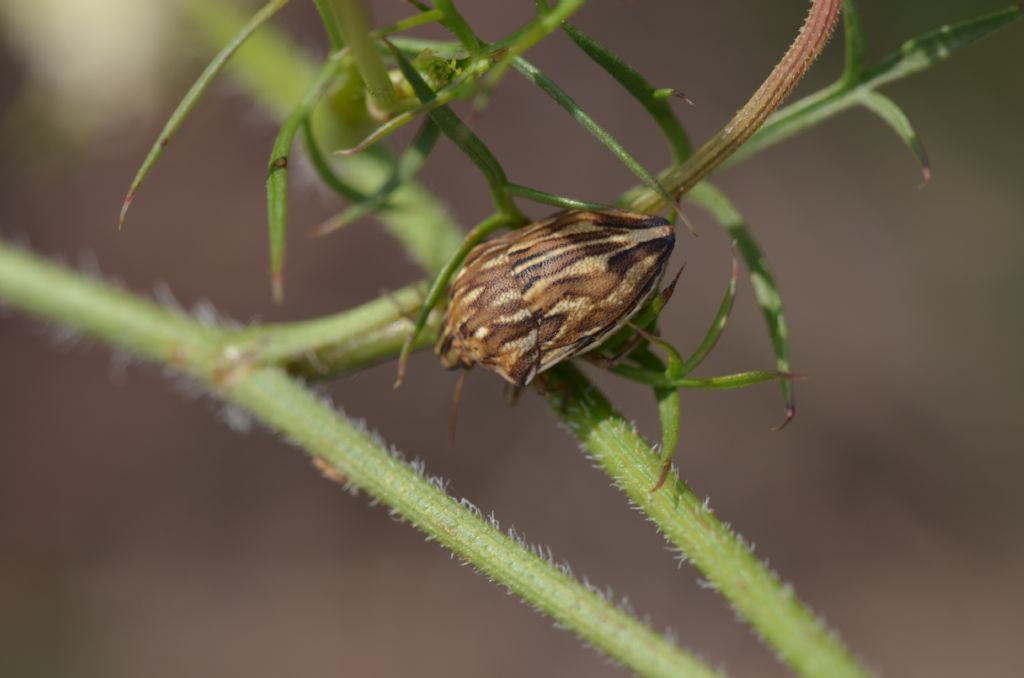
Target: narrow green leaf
[534,75]
[406,167]
[356,27]
[915,55]
[642,90]
[440,283]
[426,16]
[323,166]
[729,381]
[545,23]
[926,50]
[421,6]
[330,23]
[274,71]
[889,111]
[456,130]
[455,23]
[277,171]
[667,396]
[853,33]
[766,290]
[717,325]
[555,200]
[188,102]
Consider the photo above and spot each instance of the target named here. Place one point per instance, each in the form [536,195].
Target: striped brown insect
[552,290]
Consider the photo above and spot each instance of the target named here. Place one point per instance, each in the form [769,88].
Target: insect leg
[546,388]
[512,393]
[453,415]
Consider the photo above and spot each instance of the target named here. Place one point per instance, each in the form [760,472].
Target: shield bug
[552,290]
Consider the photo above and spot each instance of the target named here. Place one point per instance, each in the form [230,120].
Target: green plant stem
[356,26]
[345,448]
[455,23]
[799,638]
[330,24]
[334,344]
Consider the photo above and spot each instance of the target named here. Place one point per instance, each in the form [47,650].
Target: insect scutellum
[552,290]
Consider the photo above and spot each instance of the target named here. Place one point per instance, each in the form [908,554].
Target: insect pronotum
[552,290]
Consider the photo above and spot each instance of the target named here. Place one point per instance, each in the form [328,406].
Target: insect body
[552,290]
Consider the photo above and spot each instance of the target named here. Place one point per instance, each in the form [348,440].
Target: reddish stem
[769,96]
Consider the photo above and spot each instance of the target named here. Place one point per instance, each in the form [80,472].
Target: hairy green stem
[801,640]
[345,449]
[272,343]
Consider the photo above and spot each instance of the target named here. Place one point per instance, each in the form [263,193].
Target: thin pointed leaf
[765,289]
[668,398]
[853,33]
[424,17]
[889,111]
[729,381]
[274,71]
[545,198]
[638,86]
[456,130]
[545,23]
[531,73]
[717,325]
[277,171]
[440,283]
[188,102]
[406,167]
[323,166]
[914,56]
[934,46]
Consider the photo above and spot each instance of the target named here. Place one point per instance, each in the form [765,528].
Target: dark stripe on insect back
[554,265]
[649,222]
[553,242]
[620,263]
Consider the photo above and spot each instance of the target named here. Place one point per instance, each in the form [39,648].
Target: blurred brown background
[139,535]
